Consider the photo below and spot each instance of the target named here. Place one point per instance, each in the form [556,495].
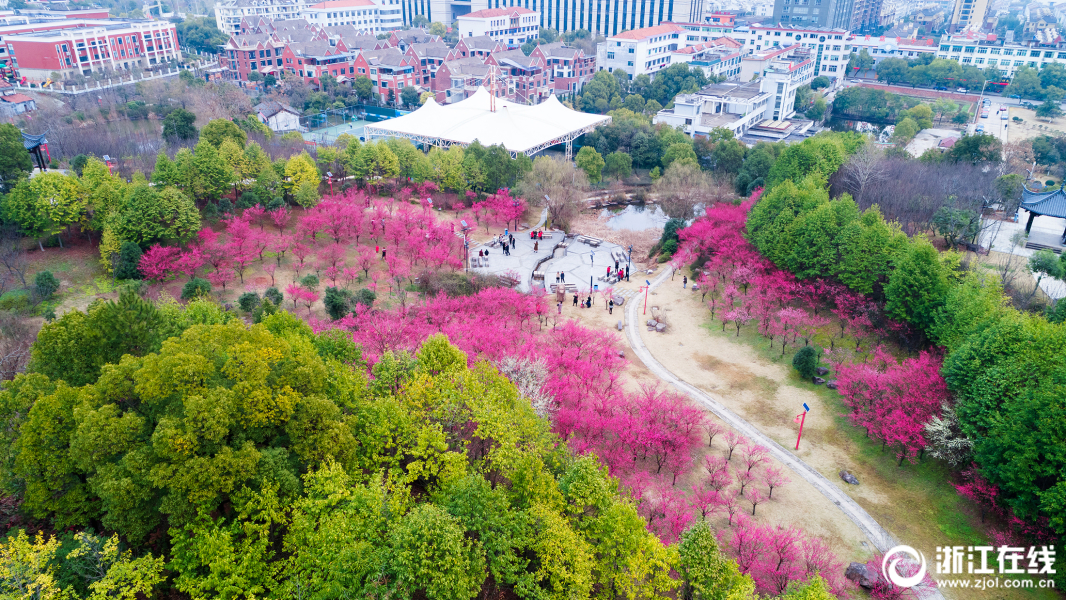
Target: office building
[604,17]
[829,48]
[512,26]
[814,13]
[968,13]
[364,15]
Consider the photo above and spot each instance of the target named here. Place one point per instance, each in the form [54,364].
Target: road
[994,124]
[878,535]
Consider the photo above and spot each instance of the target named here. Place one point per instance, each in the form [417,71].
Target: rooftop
[489,13]
[647,32]
[728,89]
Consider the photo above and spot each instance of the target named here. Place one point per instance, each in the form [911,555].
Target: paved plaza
[578,261]
[1045,230]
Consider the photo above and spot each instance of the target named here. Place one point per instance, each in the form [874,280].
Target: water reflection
[636,217]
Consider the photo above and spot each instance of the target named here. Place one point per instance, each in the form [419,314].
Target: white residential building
[640,51]
[781,72]
[512,26]
[374,16]
[720,58]
[986,50]
[830,48]
[228,13]
[880,48]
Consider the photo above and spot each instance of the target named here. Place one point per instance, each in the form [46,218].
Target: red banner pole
[802,419]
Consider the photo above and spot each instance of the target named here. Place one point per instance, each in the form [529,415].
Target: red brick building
[82,47]
[526,77]
[568,67]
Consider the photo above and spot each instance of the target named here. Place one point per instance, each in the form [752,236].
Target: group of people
[620,272]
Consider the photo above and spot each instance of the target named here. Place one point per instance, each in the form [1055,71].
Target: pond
[636,217]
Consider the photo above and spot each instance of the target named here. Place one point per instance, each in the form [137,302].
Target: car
[961,90]
[979,129]
[984,115]
[1003,117]
[986,102]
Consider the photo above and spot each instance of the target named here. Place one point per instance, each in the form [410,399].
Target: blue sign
[647,282]
[806,408]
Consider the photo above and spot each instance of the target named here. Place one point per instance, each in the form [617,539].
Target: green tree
[300,171]
[956,224]
[590,162]
[178,125]
[431,554]
[618,165]
[149,216]
[806,362]
[128,260]
[364,88]
[680,151]
[893,70]
[45,285]
[219,130]
[211,176]
[15,161]
[905,131]
[45,205]
[705,573]
[978,148]
[917,287]
[409,96]
[1049,110]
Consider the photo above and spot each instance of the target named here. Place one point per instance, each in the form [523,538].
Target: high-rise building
[604,17]
[835,14]
[968,12]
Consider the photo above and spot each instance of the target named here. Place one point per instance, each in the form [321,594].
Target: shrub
[309,282]
[210,212]
[806,362]
[274,295]
[15,301]
[248,301]
[265,309]
[337,302]
[365,297]
[225,206]
[274,203]
[248,199]
[194,288]
[45,285]
[669,247]
[129,259]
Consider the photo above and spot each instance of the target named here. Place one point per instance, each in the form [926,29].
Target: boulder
[619,325]
[621,354]
[822,371]
[661,327]
[862,575]
[695,287]
[849,478]
[818,381]
[831,384]
[652,322]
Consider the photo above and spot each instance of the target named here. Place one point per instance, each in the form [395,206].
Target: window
[993,62]
[1034,53]
[982,50]
[630,63]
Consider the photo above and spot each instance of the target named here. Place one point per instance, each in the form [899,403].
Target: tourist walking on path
[535,244]
[560,307]
[512,242]
[610,307]
[562,276]
[627,273]
[608,272]
[684,282]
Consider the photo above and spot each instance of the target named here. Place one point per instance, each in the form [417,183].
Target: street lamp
[593,271]
[629,260]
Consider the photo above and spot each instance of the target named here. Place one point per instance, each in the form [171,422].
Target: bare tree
[13,259]
[684,189]
[16,339]
[559,186]
[863,169]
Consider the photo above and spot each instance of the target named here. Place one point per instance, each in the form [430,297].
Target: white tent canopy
[518,127]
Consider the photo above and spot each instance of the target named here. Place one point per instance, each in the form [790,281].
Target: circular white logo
[912,564]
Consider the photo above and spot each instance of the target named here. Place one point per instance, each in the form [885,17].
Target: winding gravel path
[878,536]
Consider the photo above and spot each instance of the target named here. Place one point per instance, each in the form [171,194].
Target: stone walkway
[878,536]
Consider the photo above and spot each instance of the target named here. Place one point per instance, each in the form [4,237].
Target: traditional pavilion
[34,144]
[1045,204]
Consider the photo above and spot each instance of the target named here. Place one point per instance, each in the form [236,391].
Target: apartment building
[640,51]
[512,26]
[719,58]
[968,13]
[82,47]
[784,71]
[732,105]
[881,47]
[526,77]
[986,50]
[830,48]
[230,13]
[815,13]
[373,16]
[568,67]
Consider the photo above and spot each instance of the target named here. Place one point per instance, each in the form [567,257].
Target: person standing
[616,266]
[383,254]
[610,306]
[512,242]
[575,298]
[562,276]
[560,307]
[627,273]
[608,272]
[535,244]
[684,282]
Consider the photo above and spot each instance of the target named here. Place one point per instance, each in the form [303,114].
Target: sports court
[327,135]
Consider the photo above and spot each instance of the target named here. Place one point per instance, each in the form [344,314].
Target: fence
[340,116]
[119,79]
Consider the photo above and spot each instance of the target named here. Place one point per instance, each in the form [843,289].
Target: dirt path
[843,503]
